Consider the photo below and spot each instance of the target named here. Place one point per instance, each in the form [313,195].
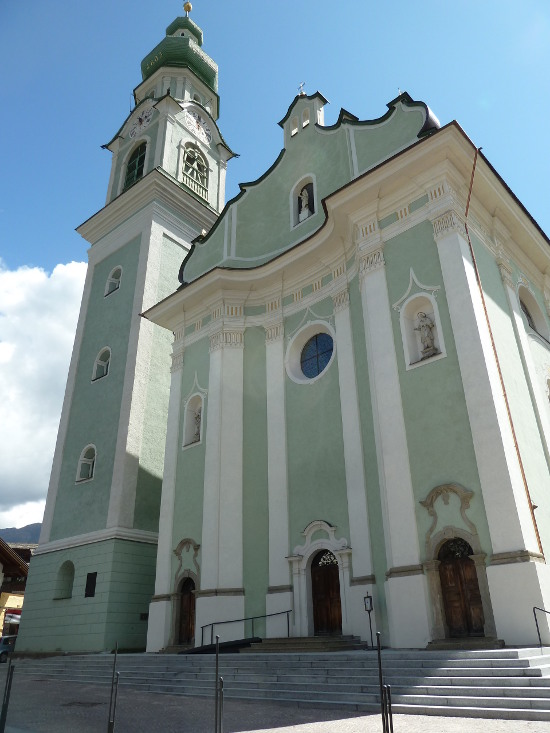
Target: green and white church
[332,388]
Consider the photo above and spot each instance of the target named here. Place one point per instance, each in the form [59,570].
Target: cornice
[156,186]
[104,535]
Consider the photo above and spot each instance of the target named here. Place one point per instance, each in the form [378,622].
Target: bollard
[216,682]
[221,706]
[6,700]
[112,714]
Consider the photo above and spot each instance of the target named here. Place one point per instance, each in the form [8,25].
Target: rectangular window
[91,579]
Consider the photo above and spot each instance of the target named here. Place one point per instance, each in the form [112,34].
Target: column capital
[448,223]
[177,361]
[274,332]
[505,272]
[227,338]
[341,300]
[371,261]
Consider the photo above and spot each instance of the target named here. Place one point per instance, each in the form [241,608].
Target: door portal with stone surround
[325,592]
[460,589]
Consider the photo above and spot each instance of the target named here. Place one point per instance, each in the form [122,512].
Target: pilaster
[353,449]
[504,494]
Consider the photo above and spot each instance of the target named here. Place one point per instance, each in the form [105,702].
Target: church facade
[329,393]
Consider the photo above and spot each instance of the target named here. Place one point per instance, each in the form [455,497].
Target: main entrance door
[325,591]
[187,612]
[460,588]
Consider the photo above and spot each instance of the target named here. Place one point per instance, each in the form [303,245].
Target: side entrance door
[325,591]
[460,588]
[187,612]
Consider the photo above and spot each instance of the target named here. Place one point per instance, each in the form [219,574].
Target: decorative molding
[274,332]
[444,491]
[446,224]
[219,592]
[330,543]
[187,544]
[229,339]
[339,271]
[104,535]
[177,361]
[505,272]
[273,305]
[402,213]
[371,262]
[341,300]
[366,231]
[432,289]
[403,570]
[363,580]
[279,589]
[510,558]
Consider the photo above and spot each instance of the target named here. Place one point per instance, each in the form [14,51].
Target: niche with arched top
[421,330]
[193,421]
[302,200]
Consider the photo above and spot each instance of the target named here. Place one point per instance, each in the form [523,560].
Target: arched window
[305,117]
[195,171]
[113,281]
[86,464]
[101,365]
[134,169]
[64,581]
[192,429]
[533,313]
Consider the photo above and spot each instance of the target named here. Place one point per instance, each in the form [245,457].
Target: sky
[69,72]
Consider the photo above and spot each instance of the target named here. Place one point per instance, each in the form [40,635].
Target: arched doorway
[325,593]
[460,589]
[186,632]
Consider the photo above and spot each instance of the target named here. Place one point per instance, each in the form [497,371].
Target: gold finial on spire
[188,8]
[301,92]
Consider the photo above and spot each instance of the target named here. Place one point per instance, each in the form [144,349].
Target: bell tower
[93,573]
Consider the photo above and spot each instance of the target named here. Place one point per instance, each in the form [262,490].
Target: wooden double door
[186,632]
[460,589]
[325,592]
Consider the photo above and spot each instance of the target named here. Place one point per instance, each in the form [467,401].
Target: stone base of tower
[59,617]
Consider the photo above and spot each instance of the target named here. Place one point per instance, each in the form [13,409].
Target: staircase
[500,683]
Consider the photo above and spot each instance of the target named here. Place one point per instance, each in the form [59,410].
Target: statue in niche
[426,328]
[304,203]
[197,433]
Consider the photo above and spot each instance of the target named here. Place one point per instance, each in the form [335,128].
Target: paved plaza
[44,706]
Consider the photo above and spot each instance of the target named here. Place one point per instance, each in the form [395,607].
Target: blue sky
[74,65]
[69,71]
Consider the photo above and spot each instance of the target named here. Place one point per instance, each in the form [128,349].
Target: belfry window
[195,172]
[134,169]
[113,281]
[86,464]
[101,365]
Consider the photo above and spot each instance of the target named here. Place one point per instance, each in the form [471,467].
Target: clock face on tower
[141,122]
[198,125]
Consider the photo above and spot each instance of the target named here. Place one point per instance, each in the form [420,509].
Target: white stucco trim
[505,501]
[353,449]
[398,506]
[115,533]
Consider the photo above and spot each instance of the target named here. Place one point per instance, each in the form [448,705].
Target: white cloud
[38,316]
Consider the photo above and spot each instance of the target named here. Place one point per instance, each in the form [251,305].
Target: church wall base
[215,607]
[516,587]
[408,613]
[158,629]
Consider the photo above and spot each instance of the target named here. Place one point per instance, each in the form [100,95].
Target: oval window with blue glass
[316,355]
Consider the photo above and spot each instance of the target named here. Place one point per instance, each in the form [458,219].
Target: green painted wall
[439,437]
[125,584]
[316,470]
[188,505]
[95,407]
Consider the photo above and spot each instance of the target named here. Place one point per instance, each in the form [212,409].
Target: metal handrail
[248,618]
[535,609]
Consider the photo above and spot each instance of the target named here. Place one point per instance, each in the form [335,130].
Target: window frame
[83,461]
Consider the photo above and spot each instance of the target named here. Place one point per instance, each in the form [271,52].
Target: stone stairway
[503,683]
